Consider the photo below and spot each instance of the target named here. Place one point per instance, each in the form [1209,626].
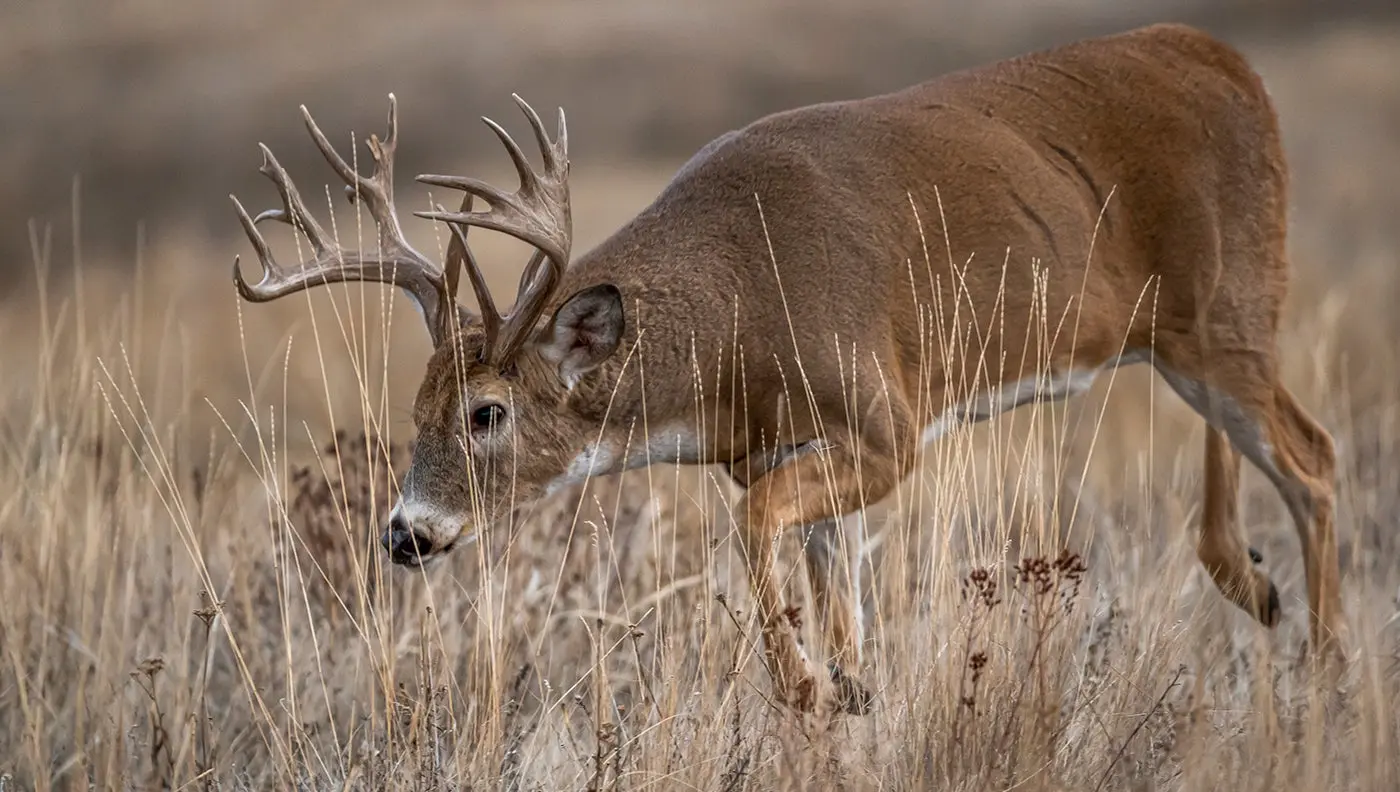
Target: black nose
[403,544]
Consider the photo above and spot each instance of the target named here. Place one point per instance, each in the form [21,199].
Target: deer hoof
[1273,611]
[851,696]
[800,695]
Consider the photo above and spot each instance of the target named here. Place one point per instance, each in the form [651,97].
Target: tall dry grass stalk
[208,608]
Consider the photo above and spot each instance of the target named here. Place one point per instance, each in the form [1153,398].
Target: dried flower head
[982,587]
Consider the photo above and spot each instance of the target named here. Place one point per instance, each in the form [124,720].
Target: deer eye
[487,417]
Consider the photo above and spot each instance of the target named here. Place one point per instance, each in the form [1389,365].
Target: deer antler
[396,263]
[538,213]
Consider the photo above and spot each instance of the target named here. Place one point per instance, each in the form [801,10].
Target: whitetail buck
[786,307]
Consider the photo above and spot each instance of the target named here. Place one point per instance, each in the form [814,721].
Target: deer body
[1017,163]
[817,294]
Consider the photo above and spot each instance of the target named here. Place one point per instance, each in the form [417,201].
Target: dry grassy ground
[191,596]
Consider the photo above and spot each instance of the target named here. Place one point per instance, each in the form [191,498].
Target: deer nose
[403,544]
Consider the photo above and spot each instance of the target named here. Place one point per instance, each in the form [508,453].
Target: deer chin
[465,536]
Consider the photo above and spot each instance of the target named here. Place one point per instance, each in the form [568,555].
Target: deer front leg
[835,586]
[810,488]
[787,664]
[832,577]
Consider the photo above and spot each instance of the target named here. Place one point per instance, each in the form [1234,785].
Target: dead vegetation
[224,619]
[192,595]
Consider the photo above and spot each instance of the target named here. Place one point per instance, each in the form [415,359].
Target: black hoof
[851,695]
[1275,610]
[1256,556]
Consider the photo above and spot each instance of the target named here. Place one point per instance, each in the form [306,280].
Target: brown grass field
[192,596]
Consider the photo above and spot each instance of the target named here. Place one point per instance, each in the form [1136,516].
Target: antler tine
[275,279]
[538,212]
[460,254]
[294,211]
[396,263]
[537,284]
[554,153]
[377,190]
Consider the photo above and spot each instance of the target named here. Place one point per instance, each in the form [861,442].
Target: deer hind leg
[1306,457]
[1265,423]
[1223,548]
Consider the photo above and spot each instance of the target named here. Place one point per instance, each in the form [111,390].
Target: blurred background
[158,106]
[145,115]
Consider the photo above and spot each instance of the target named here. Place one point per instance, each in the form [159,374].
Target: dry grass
[191,595]
[209,610]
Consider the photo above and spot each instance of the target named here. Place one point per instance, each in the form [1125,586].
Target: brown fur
[830,281]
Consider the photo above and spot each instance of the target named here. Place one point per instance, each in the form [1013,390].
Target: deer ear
[585,332]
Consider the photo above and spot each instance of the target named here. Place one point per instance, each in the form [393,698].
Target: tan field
[191,591]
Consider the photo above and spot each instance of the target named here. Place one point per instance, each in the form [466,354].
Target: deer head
[494,420]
